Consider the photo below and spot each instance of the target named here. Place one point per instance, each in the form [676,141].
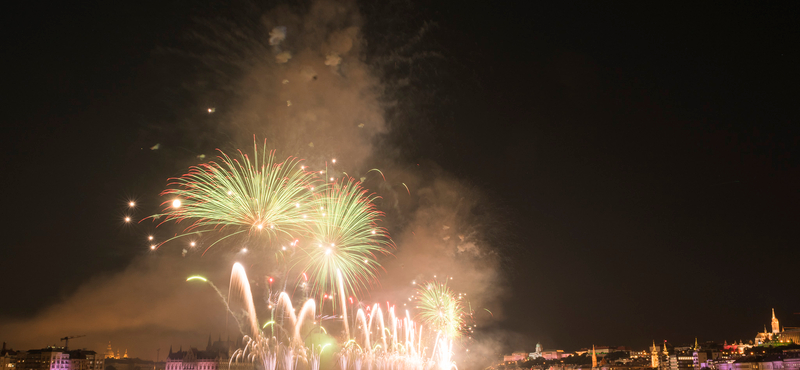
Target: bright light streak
[197,277]
[176,203]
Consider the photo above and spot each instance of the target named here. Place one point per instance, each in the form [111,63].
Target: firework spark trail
[221,297]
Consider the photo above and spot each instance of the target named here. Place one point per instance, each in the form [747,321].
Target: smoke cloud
[300,79]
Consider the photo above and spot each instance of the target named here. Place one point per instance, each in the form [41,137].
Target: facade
[50,358]
[556,354]
[751,363]
[8,358]
[776,326]
[133,364]
[85,360]
[538,353]
[654,356]
[683,360]
[215,357]
[514,357]
[56,358]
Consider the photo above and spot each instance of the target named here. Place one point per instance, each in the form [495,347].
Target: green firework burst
[345,237]
[439,308]
[258,197]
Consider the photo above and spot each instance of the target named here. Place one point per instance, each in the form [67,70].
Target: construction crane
[66,341]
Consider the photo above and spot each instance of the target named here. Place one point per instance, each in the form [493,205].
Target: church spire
[594,358]
[776,326]
[654,356]
[696,347]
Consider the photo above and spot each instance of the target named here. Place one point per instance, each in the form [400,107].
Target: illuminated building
[516,356]
[56,358]
[85,360]
[215,357]
[8,358]
[50,358]
[654,356]
[776,326]
[791,335]
[754,363]
[109,352]
[538,353]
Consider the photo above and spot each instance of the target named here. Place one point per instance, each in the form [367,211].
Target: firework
[259,197]
[344,239]
[440,309]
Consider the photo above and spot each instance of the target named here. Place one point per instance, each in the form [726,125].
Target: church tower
[654,356]
[594,358]
[776,326]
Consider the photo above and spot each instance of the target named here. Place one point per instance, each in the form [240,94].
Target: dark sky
[643,158]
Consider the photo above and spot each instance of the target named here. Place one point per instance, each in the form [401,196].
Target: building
[776,326]
[555,354]
[109,352]
[8,358]
[215,357]
[57,358]
[85,360]
[654,356]
[514,357]
[791,335]
[757,363]
[133,364]
[682,360]
[50,358]
[538,353]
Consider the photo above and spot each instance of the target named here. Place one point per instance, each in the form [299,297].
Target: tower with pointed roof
[594,358]
[776,326]
[654,356]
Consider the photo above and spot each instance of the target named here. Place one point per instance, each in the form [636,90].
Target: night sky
[640,162]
